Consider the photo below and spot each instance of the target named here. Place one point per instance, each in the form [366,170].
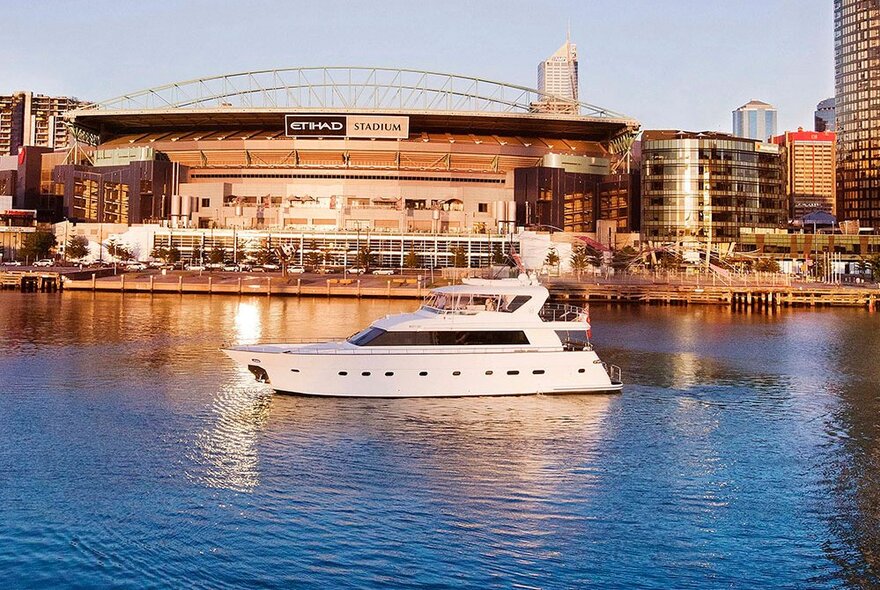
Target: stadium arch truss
[331,88]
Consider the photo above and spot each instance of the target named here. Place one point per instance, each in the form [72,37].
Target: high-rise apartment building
[824,118]
[857,86]
[755,120]
[702,187]
[808,158]
[28,119]
[558,80]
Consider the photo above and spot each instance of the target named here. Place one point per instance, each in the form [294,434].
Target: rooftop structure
[824,118]
[755,120]
[558,79]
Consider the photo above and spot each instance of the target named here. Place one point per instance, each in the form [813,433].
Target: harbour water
[743,453]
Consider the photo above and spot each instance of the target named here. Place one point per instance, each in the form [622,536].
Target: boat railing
[562,312]
[395,350]
[614,373]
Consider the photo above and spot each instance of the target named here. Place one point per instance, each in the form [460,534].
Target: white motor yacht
[484,337]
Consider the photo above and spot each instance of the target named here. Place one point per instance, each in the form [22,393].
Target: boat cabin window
[474,302]
[576,339]
[379,337]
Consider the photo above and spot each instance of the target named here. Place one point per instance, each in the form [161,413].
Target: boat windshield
[473,302]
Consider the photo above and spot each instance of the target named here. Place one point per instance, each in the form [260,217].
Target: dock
[30,281]
[395,288]
[752,297]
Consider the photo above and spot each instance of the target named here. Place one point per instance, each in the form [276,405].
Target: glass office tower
[857,81]
[710,187]
[755,120]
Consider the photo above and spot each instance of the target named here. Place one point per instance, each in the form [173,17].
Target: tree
[173,255]
[580,260]
[160,252]
[412,259]
[874,264]
[314,259]
[364,257]
[766,265]
[265,255]
[118,250]
[498,254]
[37,245]
[459,257]
[217,255]
[77,247]
[623,258]
[552,259]
[196,254]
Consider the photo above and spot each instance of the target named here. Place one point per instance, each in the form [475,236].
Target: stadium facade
[337,150]
[334,148]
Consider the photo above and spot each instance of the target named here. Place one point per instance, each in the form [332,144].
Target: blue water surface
[743,453]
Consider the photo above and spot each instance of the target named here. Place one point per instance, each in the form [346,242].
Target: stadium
[340,151]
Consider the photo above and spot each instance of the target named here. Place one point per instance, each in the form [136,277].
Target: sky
[682,64]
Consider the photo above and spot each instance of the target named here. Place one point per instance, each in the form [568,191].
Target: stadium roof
[434,101]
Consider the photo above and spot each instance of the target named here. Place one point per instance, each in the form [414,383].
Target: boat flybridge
[484,337]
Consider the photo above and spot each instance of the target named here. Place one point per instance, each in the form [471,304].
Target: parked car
[156,264]
[357,270]
[269,266]
[44,262]
[195,267]
[214,266]
[383,271]
[136,266]
[297,270]
[231,267]
[323,270]
[12,263]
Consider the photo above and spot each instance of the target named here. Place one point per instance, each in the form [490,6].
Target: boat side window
[364,337]
[515,303]
[444,338]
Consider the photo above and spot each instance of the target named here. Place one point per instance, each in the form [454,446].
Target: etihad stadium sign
[346,126]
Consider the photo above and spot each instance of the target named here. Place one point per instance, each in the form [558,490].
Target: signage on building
[346,126]
[581,164]
[770,148]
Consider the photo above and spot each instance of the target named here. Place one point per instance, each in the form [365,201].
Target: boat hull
[386,374]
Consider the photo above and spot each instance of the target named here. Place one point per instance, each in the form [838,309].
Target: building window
[206,202]
[483,207]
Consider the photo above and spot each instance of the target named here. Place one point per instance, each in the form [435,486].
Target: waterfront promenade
[766,290]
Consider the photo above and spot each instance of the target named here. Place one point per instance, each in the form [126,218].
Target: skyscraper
[558,79]
[809,171]
[824,118]
[755,120]
[857,85]
[28,119]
